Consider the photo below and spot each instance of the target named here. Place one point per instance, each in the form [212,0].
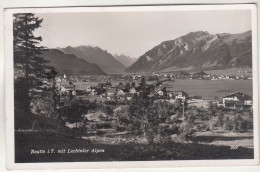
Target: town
[243,74]
[125,87]
[104,100]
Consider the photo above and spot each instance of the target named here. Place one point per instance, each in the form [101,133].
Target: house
[67,88]
[159,92]
[172,94]
[95,117]
[92,90]
[104,85]
[234,104]
[182,95]
[184,75]
[223,77]
[103,95]
[128,96]
[237,100]
[152,94]
[108,85]
[214,78]
[120,93]
[248,103]
[120,86]
[89,88]
[58,79]
[111,92]
[93,93]
[200,74]
[236,97]
[132,90]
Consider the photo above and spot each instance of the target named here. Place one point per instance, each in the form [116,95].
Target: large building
[237,100]
[182,95]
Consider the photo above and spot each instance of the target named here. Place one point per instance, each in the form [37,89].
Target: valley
[187,98]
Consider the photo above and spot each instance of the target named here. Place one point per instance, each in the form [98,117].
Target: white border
[119,164]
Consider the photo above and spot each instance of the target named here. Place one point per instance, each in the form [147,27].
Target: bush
[220,120]
[186,132]
[227,124]
[164,132]
[204,127]
[117,128]
[173,129]
[103,125]
[197,127]
[239,124]
[242,127]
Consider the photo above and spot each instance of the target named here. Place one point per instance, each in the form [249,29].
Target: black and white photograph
[133,84]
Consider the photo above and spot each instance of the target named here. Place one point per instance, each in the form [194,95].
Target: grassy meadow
[208,89]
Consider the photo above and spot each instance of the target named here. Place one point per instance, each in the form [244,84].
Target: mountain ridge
[199,51]
[96,55]
[124,59]
[70,64]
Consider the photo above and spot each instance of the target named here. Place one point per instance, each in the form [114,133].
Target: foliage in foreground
[118,152]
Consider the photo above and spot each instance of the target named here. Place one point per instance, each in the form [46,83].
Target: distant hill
[96,55]
[198,51]
[70,64]
[125,60]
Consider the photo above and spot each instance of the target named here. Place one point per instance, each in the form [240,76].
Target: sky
[134,33]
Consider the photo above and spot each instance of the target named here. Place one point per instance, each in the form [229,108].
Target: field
[227,139]
[230,71]
[208,89]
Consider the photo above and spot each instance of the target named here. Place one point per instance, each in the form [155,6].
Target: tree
[164,91]
[127,86]
[123,119]
[239,124]
[73,112]
[133,118]
[26,56]
[143,115]
[186,131]
[227,124]
[132,84]
[152,120]
[220,120]
[143,90]
[164,132]
[55,95]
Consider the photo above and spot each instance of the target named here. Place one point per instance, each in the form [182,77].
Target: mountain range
[96,55]
[125,60]
[194,51]
[70,64]
[197,51]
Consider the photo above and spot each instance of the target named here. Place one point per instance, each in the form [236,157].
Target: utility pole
[183,108]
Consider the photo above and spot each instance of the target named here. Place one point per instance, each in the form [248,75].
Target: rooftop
[239,95]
